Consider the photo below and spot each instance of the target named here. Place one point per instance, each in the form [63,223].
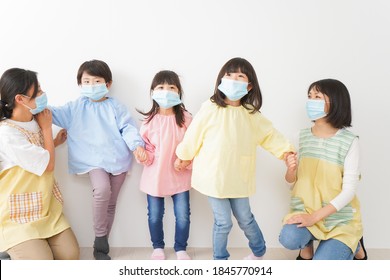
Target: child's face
[238,76]
[317,95]
[87,79]
[167,87]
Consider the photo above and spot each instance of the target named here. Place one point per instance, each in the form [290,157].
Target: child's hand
[61,137]
[140,154]
[44,119]
[291,161]
[181,164]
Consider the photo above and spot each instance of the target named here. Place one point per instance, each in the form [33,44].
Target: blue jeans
[293,238]
[222,209]
[181,207]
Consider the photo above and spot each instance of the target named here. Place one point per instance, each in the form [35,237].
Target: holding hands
[181,164]
[291,161]
[140,154]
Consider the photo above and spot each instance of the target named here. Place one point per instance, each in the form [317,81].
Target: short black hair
[340,111]
[96,68]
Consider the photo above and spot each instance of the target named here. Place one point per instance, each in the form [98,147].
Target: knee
[155,215]
[289,237]
[223,225]
[102,192]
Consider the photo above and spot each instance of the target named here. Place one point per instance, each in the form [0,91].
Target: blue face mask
[165,98]
[40,102]
[234,90]
[315,109]
[95,92]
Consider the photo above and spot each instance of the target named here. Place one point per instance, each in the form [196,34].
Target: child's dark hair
[340,112]
[15,81]
[253,100]
[170,78]
[96,68]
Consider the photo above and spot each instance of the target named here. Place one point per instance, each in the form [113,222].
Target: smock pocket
[25,207]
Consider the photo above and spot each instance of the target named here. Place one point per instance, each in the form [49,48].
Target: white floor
[206,253]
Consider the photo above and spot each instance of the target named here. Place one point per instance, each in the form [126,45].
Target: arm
[193,138]
[291,161]
[44,120]
[62,115]
[147,156]
[60,138]
[271,139]
[350,177]
[127,127]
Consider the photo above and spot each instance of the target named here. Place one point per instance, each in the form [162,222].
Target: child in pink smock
[163,129]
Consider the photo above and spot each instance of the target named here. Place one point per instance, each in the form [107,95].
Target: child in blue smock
[101,136]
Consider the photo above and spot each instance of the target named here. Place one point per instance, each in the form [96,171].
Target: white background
[289,43]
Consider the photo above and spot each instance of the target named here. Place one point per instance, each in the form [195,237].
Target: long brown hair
[253,100]
[170,78]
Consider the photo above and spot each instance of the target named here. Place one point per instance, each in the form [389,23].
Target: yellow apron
[30,205]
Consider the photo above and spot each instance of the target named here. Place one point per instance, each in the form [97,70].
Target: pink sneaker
[158,254]
[182,255]
[253,257]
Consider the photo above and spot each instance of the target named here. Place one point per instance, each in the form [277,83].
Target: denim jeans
[293,238]
[222,210]
[181,208]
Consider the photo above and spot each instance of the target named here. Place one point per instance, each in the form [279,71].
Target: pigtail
[5,111]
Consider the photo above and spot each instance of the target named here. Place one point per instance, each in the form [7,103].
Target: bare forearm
[49,146]
[324,212]
[290,176]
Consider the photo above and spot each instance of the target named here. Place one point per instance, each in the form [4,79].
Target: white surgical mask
[315,109]
[166,99]
[234,90]
[40,102]
[95,92]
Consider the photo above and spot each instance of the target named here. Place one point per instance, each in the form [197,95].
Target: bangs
[166,77]
[237,66]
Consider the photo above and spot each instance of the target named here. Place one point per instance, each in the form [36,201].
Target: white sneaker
[158,254]
[253,257]
[182,255]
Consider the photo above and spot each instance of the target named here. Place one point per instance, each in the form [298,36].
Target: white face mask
[95,92]
[315,109]
[166,99]
[234,90]
[40,102]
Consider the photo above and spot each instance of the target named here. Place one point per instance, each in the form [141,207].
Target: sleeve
[62,115]
[271,139]
[351,177]
[149,147]
[128,128]
[193,138]
[21,152]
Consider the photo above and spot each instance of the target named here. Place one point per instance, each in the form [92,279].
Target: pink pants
[106,188]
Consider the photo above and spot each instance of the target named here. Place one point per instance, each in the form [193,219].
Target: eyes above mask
[166,99]
[95,92]
[315,109]
[40,102]
[234,90]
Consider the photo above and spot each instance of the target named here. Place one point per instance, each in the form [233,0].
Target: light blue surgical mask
[315,109]
[40,102]
[234,90]
[165,98]
[95,92]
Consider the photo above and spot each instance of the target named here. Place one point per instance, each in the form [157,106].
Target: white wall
[290,44]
